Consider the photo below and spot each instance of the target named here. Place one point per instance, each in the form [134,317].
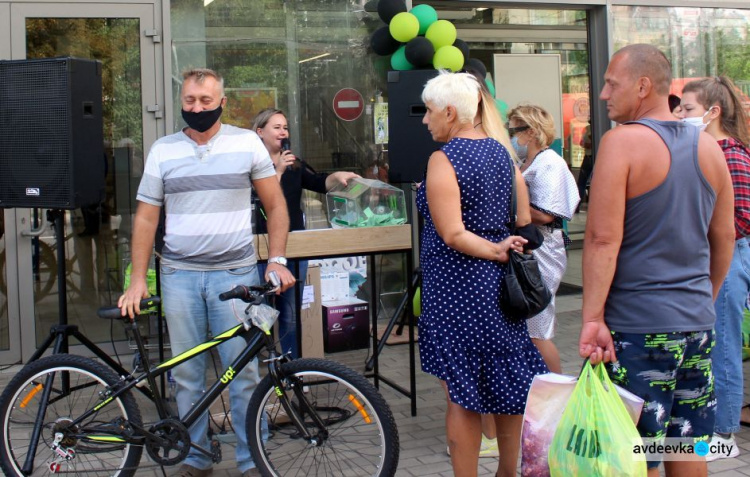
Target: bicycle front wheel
[73,385]
[360,437]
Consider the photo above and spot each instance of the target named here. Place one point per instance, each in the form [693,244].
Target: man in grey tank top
[658,243]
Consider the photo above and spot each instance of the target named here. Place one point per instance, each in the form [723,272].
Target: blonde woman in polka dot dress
[485,361]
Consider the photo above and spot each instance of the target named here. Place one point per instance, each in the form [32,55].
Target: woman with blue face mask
[713,105]
[553,194]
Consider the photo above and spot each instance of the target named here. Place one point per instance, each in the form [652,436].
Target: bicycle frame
[255,339]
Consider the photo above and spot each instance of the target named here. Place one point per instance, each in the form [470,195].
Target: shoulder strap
[513,216]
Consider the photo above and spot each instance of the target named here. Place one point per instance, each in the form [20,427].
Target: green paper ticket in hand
[596,433]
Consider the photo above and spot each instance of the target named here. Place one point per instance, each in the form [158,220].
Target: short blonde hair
[460,90]
[538,120]
[199,75]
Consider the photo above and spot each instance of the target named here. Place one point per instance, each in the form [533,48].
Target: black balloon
[383,43]
[419,52]
[387,9]
[476,66]
[371,6]
[461,45]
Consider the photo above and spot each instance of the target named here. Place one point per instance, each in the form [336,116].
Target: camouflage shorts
[672,373]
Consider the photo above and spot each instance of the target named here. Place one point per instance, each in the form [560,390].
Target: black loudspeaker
[51,133]
[409,142]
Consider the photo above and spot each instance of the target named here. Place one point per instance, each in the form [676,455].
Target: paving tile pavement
[423,446]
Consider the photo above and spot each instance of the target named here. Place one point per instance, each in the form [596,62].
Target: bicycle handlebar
[245,293]
[249,294]
[113,312]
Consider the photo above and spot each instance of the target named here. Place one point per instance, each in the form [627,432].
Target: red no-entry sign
[348,104]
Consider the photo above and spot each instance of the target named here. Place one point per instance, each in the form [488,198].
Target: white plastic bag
[548,396]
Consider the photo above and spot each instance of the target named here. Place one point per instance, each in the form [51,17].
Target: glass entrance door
[96,238]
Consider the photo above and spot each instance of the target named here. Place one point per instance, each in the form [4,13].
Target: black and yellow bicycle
[70,414]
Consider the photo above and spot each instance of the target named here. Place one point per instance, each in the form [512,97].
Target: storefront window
[699,42]
[291,55]
[508,16]
[297,55]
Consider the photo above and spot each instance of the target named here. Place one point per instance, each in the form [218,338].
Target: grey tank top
[662,279]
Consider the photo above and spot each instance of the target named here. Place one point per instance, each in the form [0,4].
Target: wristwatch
[280,260]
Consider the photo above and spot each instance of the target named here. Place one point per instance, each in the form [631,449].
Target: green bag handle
[599,371]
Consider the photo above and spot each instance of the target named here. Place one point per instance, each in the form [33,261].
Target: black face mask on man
[202,121]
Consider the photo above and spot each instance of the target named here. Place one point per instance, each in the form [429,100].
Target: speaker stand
[59,333]
[415,281]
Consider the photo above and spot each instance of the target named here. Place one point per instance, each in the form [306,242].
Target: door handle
[37,231]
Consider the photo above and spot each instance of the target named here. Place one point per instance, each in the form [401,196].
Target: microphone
[286,146]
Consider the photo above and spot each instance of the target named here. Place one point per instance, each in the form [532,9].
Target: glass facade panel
[297,55]
[96,237]
[290,55]
[460,16]
[699,42]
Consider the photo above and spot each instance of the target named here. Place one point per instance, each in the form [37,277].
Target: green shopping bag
[150,283]
[595,436]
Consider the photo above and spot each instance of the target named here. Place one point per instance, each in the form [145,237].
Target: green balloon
[417,302]
[448,58]
[490,86]
[398,60]
[441,33]
[502,108]
[404,27]
[426,16]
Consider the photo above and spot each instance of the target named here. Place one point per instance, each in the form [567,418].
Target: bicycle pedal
[216,451]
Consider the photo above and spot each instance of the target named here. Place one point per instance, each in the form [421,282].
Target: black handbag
[523,293]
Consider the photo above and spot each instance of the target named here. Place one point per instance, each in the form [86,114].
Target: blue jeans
[191,304]
[727,354]
[287,307]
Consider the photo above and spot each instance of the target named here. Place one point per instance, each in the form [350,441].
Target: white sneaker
[488,448]
[723,448]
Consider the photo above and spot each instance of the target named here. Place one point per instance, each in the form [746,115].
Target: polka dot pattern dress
[486,360]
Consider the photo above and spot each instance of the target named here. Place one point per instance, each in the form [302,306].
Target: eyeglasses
[514,131]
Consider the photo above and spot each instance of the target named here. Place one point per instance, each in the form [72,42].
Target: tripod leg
[388,329]
[44,347]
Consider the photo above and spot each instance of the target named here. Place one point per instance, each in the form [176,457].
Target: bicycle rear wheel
[89,448]
[362,436]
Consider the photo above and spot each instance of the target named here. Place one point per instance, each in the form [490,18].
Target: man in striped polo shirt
[203,176]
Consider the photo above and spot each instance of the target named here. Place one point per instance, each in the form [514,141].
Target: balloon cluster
[417,39]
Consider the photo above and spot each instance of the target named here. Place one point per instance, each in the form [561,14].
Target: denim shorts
[672,373]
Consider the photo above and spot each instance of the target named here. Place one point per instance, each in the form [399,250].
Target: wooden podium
[307,244]
[368,241]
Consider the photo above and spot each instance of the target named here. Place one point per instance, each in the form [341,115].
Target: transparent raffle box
[365,203]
